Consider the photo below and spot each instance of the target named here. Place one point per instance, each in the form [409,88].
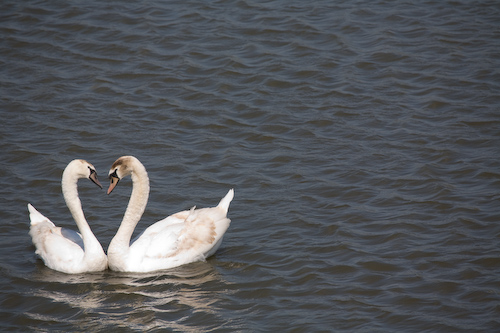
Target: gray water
[362,139]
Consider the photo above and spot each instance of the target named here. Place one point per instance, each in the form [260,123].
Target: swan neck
[135,209]
[70,194]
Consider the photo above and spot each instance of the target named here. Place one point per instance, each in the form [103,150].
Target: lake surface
[362,139]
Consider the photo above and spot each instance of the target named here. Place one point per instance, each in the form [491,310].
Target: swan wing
[158,240]
[204,228]
[59,248]
[179,239]
[189,231]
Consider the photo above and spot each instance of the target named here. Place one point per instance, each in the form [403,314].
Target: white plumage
[63,249]
[181,238]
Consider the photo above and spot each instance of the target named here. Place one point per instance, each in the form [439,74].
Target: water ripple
[360,138]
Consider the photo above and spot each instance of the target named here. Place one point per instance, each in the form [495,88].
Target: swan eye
[114,174]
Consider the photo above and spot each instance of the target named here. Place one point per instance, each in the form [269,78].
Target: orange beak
[113,181]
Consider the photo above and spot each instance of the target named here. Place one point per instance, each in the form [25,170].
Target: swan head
[122,167]
[83,169]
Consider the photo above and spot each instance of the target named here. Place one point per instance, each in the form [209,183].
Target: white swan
[178,239]
[65,250]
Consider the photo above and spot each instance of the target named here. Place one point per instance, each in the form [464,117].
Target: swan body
[62,249]
[181,238]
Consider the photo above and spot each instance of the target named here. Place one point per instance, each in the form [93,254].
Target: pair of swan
[178,239]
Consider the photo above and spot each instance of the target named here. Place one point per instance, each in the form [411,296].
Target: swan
[66,250]
[179,239]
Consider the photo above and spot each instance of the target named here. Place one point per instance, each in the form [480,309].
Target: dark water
[362,139]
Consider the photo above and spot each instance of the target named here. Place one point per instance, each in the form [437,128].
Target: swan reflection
[165,299]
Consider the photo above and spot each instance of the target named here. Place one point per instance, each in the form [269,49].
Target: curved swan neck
[135,208]
[70,193]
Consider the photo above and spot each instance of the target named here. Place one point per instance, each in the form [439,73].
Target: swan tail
[224,203]
[36,217]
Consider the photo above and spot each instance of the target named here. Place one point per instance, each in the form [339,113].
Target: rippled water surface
[362,139]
